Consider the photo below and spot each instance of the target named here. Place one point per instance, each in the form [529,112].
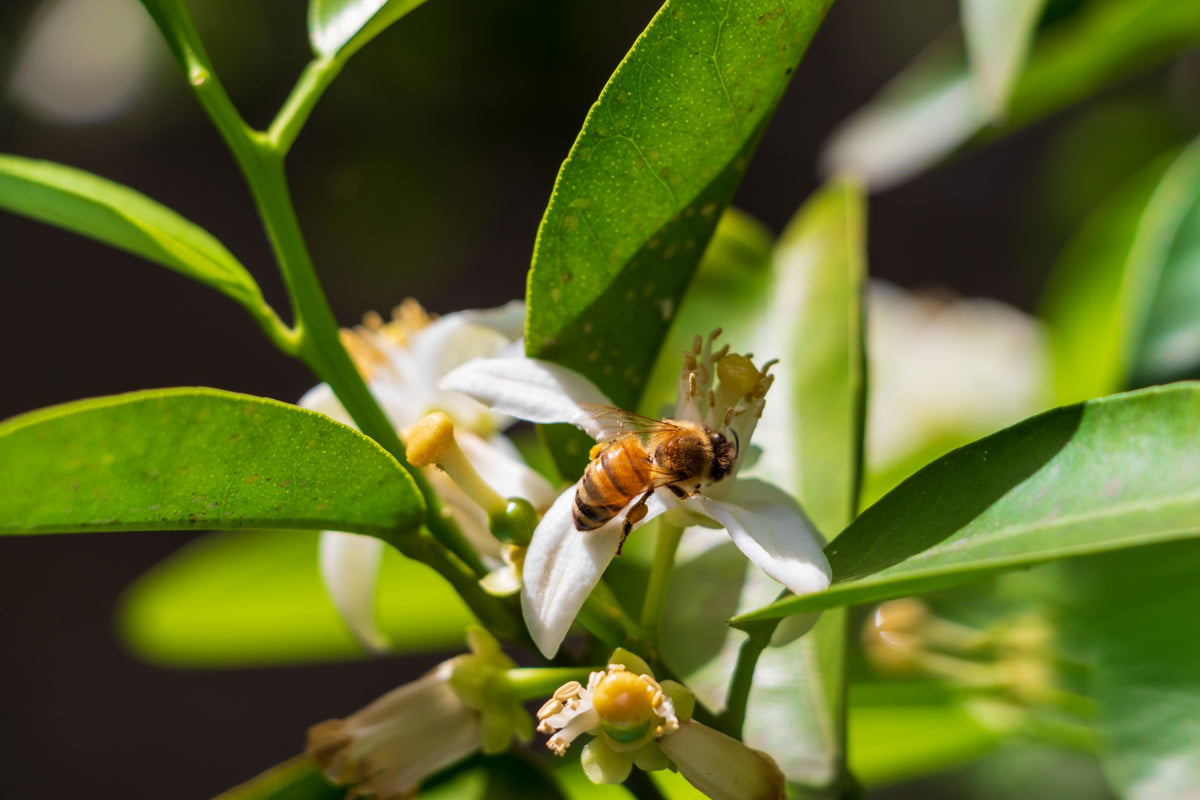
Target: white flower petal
[321,399]
[721,767]
[448,343]
[770,528]
[562,566]
[528,389]
[400,739]
[466,512]
[498,463]
[350,571]
[508,319]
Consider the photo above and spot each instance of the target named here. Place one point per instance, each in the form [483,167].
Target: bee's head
[725,452]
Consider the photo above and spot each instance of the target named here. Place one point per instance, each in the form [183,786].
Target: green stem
[533,683]
[733,718]
[660,577]
[316,337]
[604,616]
[500,617]
[313,82]
[1061,733]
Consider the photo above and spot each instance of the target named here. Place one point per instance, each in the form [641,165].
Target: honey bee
[642,455]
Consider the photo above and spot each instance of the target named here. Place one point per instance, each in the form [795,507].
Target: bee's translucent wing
[613,423]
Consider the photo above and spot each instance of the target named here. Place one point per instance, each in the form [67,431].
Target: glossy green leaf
[1113,473]
[1137,610]
[998,33]
[812,430]
[728,292]
[929,110]
[897,732]
[196,459]
[812,426]
[1105,297]
[117,215]
[295,779]
[639,194]
[338,28]
[256,598]
[1169,345]
[806,307]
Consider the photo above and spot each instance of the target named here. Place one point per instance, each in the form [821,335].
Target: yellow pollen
[567,691]
[738,374]
[363,352]
[407,318]
[372,321]
[624,699]
[429,438]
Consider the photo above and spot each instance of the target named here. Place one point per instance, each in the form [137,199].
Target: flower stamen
[431,441]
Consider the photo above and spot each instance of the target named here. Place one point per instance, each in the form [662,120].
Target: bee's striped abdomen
[620,473]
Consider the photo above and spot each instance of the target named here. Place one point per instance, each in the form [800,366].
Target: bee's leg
[677,491]
[636,513]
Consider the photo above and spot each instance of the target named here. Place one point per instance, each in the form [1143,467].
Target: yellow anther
[738,374]
[429,439]
[550,707]
[567,690]
[372,321]
[365,354]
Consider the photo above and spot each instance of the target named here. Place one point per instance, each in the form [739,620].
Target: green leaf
[1136,609]
[188,459]
[338,28]
[929,110]
[728,292]
[1169,345]
[813,430]
[998,33]
[295,779]
[813,421]
[903,731]
[807,312]
[1075,481]
[797,697]
[256,598]
[657,160]
[1104,304]
[117,215]
[1082,301]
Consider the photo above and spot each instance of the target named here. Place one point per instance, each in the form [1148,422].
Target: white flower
[388,748]
[403,361]
[945,369]
[635,720]
[563,564]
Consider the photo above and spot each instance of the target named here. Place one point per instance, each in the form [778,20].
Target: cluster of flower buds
[1013,659]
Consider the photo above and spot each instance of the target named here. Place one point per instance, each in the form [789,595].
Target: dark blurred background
[423,172]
